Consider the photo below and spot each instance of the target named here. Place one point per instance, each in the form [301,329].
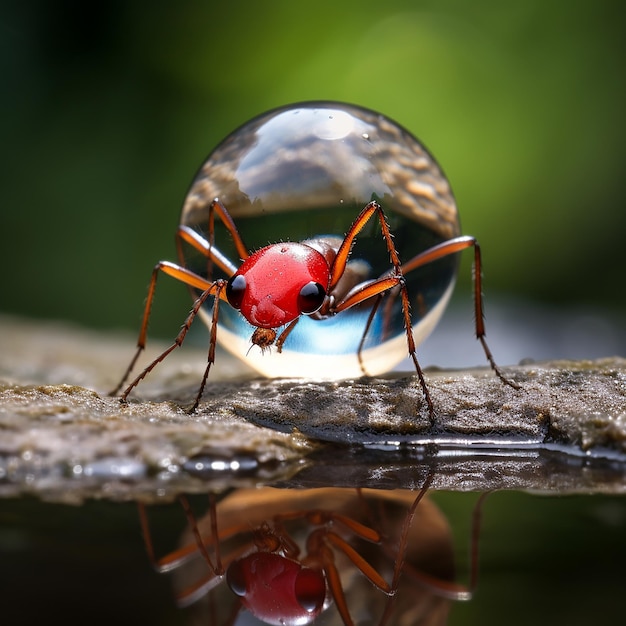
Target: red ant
[311,284]
[281,282]
[256,551]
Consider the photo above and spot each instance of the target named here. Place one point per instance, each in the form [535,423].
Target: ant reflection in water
[323,556]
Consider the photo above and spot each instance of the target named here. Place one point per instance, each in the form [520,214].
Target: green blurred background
[108,110]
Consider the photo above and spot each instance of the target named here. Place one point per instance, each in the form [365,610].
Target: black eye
[236,577]
[311,297]
[310,589]
[235,290]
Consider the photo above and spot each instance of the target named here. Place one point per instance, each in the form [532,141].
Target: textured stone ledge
[63,438]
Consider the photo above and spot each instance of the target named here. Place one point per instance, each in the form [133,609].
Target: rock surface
[62,438]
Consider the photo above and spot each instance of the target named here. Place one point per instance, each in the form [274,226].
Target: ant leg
[147,535]
[380,286]
[319,549]
[406,527]
[475,539]
[343,253]
[216,289]
[450,247]
[402,547]
[190,236]
[317,517]
[449,590]
[366,569]
[218,568]
[320,554]
[368,324]
[179,273]
[207,247]
[283,336]
[191,593]
[179,342]
[221,284]
[217,207]
[320,544]
[227,220]
[386,315]
[178,557]
[336,589]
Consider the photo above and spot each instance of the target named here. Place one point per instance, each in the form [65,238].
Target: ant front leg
[376,288]
[175,559]
[217,289]
[432,583]
[399,561]
[189,593]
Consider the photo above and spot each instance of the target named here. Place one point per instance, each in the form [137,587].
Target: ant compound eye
[235,290]
[310,590]
[236,579]
[311,297]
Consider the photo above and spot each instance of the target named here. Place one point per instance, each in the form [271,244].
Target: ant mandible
[279,284]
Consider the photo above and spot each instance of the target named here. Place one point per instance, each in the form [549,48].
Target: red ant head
[278,283]
[276,589]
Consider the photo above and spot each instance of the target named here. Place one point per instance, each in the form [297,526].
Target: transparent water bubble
[305,171]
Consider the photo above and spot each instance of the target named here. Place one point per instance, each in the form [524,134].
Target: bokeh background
[108,109]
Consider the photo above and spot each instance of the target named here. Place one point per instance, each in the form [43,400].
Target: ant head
[277,284]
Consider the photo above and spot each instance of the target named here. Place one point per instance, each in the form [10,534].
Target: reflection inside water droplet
[306,171]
